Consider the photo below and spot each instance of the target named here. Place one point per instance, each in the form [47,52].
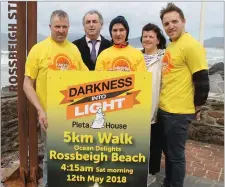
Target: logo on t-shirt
[62,62]
[166,63]
[121,64]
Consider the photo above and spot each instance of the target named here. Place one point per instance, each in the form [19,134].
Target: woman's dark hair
[159,34]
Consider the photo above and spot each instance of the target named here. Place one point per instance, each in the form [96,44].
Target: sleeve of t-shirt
[82,66]
[141,64]
[99,64]
[31,66]
[196,58]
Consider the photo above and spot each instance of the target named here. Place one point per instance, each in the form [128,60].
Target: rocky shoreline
[210,129]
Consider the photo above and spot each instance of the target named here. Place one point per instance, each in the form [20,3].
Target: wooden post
[22,107]
[33,143]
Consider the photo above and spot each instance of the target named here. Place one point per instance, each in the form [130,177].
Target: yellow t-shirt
[49,54]
[121,59]
[182,58]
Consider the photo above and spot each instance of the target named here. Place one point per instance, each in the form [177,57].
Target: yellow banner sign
[99,128]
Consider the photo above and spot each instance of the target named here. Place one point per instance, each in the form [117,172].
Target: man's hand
[28,88]
[198,112]
[42,118]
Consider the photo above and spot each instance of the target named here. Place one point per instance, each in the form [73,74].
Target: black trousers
[156,144]
[175,135]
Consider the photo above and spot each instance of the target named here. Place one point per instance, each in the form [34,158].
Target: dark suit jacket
[85,51]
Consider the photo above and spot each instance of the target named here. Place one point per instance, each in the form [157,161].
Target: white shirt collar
[88,39]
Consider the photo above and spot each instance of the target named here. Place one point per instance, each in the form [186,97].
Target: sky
[137,14]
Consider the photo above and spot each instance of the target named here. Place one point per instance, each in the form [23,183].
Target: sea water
[214,55]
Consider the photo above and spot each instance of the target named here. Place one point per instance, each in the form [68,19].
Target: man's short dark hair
[171,7]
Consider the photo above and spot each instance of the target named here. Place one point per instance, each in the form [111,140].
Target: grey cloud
[137,13]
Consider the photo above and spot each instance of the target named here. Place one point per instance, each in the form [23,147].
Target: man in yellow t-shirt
[184,89]
[56,53]
[121,56]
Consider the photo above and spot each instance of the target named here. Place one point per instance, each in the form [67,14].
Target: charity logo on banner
[98,128]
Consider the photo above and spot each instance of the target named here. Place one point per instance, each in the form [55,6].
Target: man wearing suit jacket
[92,44]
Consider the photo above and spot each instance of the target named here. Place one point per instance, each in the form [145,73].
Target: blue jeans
[45,168]
[175,134]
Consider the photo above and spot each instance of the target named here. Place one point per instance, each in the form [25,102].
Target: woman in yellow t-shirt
[121,56]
